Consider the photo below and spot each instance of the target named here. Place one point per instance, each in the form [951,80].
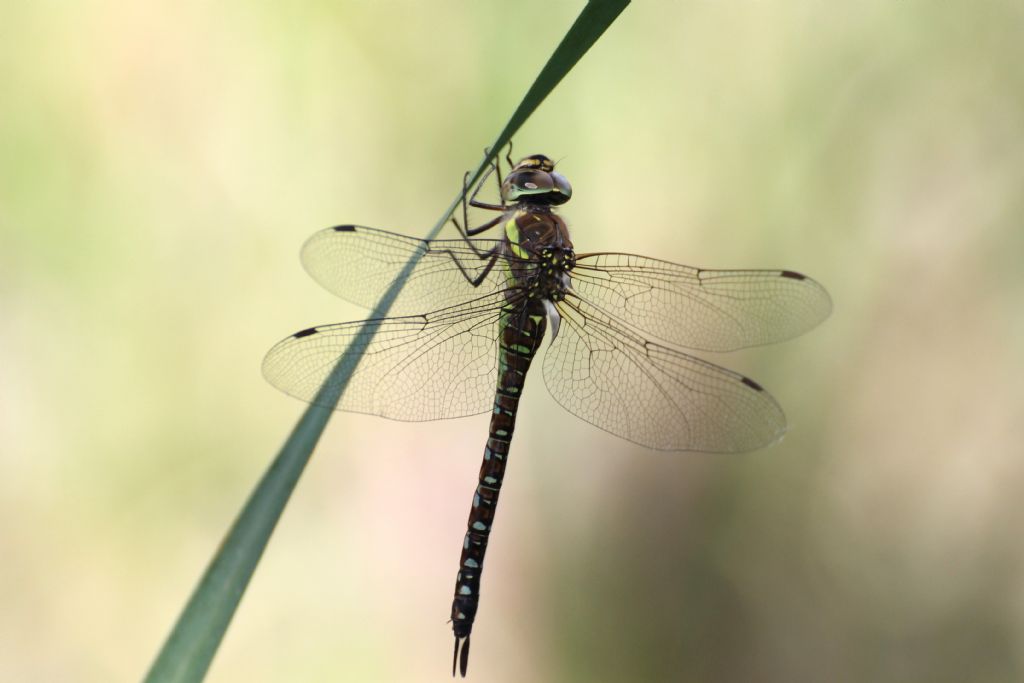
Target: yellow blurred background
[162,163]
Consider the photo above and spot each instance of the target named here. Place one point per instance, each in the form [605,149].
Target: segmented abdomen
[522,330]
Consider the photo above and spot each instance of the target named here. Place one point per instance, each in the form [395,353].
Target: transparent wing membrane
[358,264]
[707,310]
[602,366]
[651,394]
[426,367]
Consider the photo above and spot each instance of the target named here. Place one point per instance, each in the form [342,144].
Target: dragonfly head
[534,180]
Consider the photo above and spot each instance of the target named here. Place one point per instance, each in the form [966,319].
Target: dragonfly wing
[708,310]
[413,368]
[359,264]
[651,394]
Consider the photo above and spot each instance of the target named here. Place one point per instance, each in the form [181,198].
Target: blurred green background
[161,164]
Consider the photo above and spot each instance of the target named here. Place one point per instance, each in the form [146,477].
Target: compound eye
[533,182]
[561,184]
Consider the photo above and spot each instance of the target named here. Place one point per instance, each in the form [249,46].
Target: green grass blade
[592,22]
[189,649]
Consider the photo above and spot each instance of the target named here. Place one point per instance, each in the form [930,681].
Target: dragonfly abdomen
[522,329]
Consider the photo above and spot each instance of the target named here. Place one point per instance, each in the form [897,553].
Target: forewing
[653,395]
[708,310]
[358,264]
[414,368]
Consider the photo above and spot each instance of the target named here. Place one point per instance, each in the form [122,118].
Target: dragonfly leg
[464,229]
[470,232]
[491,255]
[467,232]
[508,155]
[498,176]
[476,203]
[497,168]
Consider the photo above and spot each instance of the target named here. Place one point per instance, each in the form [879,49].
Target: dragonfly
[472,314]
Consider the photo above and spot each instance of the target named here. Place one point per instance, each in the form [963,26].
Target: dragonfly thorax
[550,279]
[534,181]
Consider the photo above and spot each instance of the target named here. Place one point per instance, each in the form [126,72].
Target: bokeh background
[161,164]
